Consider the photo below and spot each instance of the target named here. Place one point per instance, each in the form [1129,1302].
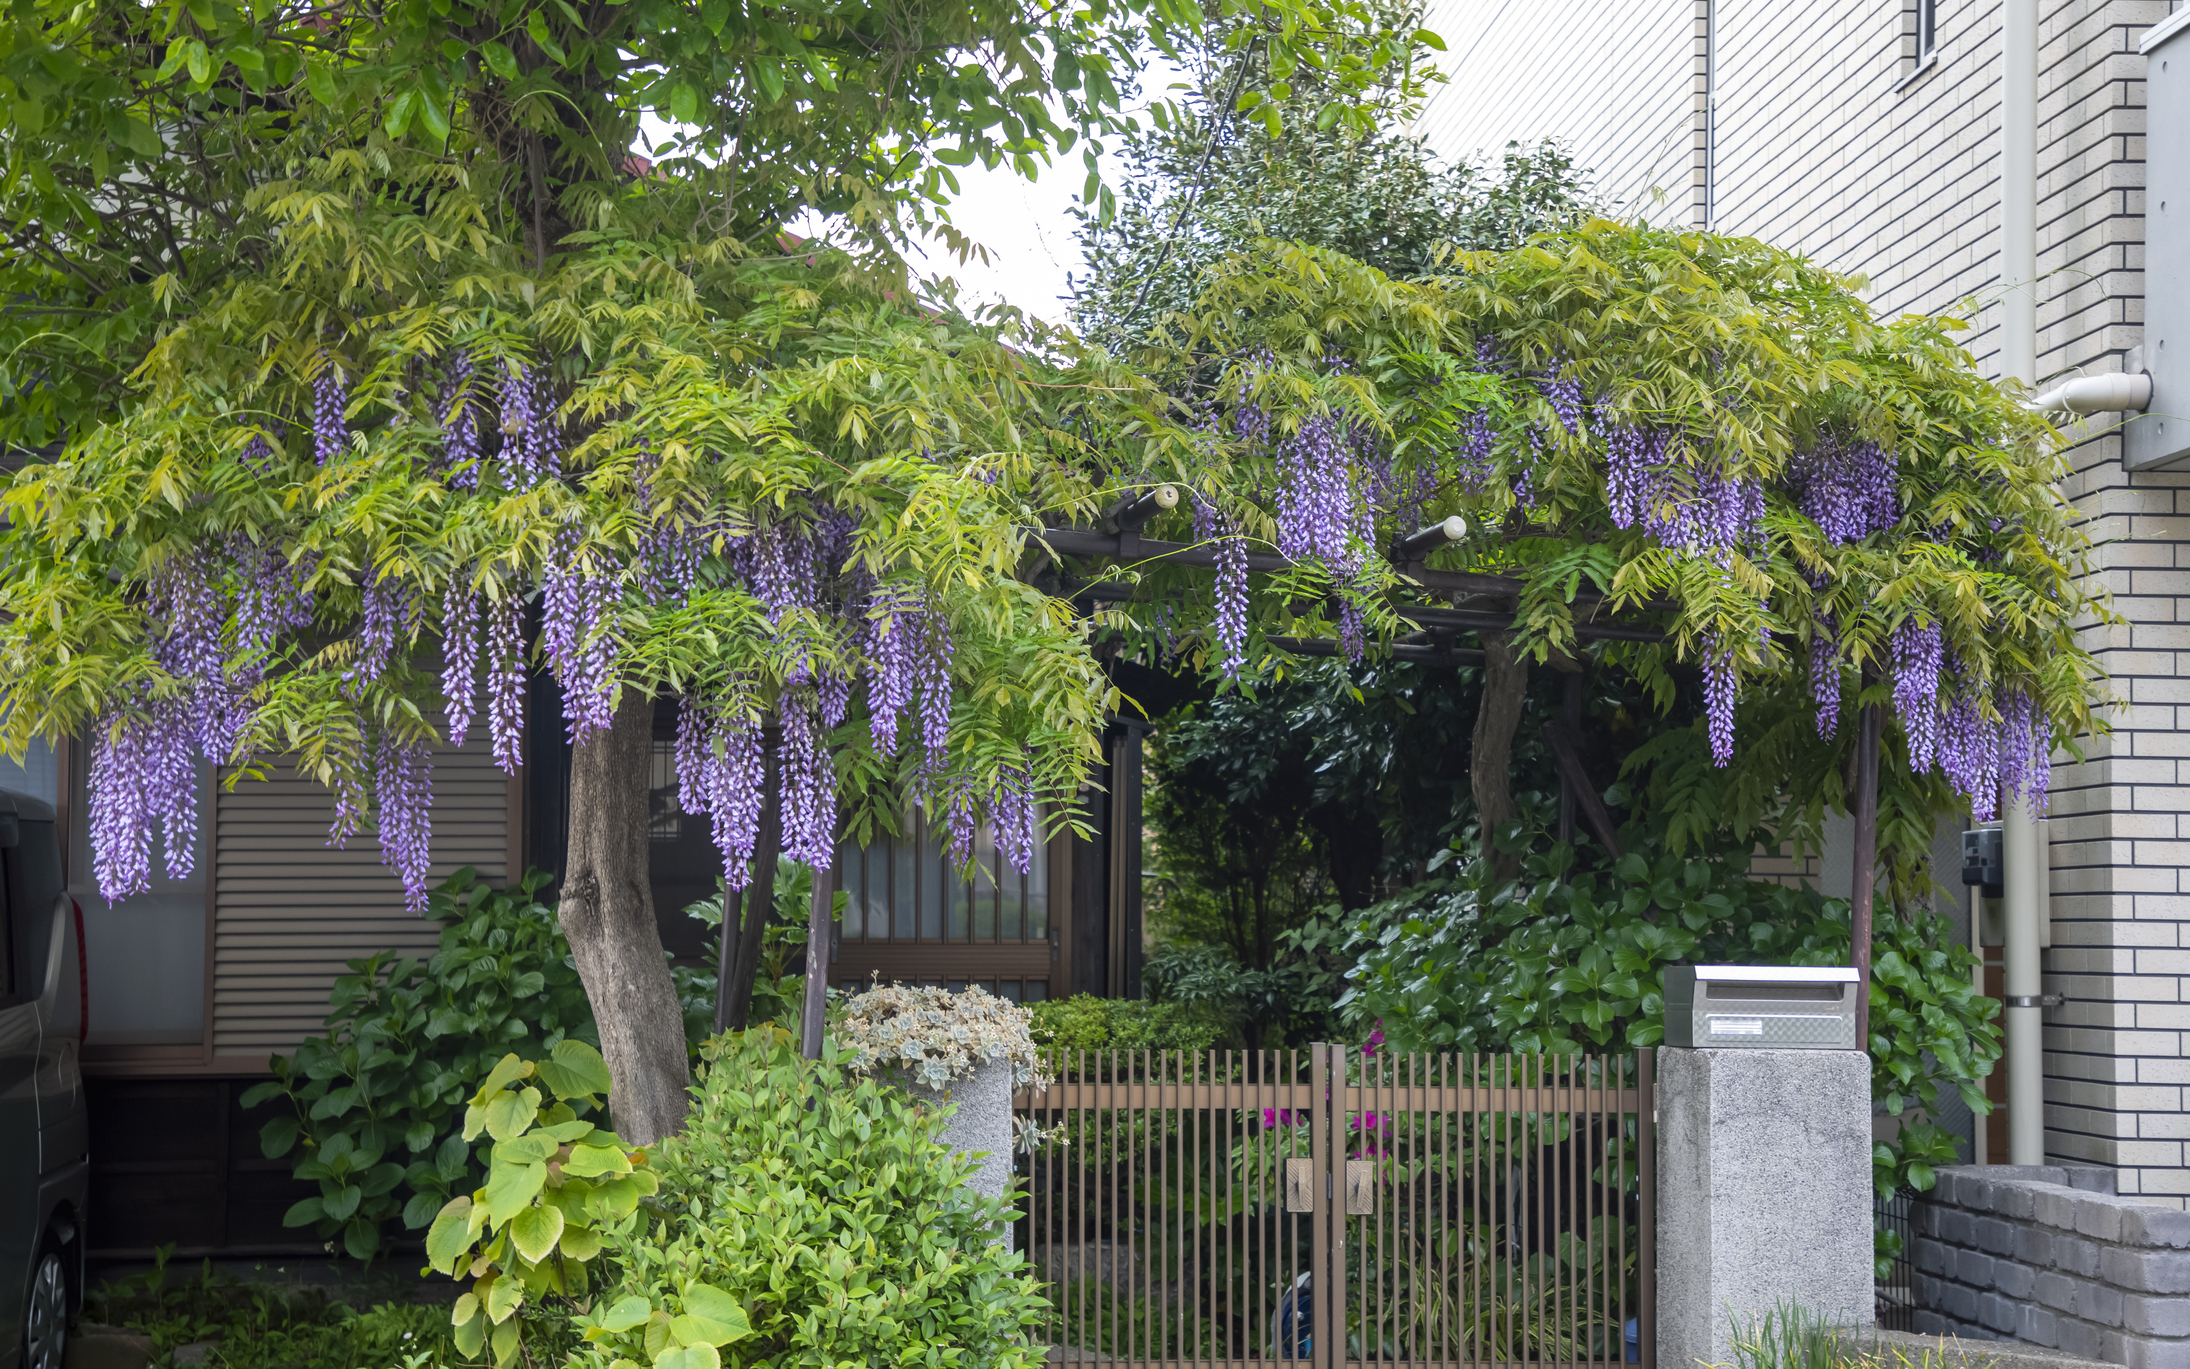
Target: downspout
[2025,864]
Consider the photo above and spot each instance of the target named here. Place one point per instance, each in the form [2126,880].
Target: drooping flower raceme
[721,774]
[532,435]
[506,681]
[578,635]
[403,798]
[1918,653]
[330,396]
[1847,487]
[1213,527]
[459,654]
[1825,676]
[461,445]
[808,784]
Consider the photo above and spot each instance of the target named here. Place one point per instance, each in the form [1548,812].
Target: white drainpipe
[2025,863]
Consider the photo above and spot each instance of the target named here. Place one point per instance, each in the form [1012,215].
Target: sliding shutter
[288,909]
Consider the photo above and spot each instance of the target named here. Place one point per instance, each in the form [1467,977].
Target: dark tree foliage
[1202,185]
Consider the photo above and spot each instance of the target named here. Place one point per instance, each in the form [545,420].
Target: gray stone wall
[2050,1255]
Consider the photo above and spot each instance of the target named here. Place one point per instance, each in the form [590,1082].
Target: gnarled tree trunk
[608,914]
[1505,687]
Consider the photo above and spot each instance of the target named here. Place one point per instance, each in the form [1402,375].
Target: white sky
[1027,227]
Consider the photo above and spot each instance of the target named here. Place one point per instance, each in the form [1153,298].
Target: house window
[915,918]
[1921,31]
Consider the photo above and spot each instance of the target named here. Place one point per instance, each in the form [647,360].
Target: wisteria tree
[370,363]
[1705,442]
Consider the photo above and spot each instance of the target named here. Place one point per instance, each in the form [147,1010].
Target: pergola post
[1863,891]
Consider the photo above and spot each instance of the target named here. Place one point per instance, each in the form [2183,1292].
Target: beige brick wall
[1827,138]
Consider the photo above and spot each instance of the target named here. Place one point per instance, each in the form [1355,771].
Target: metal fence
[1897,1285]
[1328,1206]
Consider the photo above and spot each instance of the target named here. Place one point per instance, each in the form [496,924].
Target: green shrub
[374,1104]
[1085,1022]
[807,1215]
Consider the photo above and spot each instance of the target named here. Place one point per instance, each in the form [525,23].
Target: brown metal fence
[1322,1205]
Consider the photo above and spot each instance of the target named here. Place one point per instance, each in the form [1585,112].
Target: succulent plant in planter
[968,1050]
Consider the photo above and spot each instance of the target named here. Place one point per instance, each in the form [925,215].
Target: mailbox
[1761,1007]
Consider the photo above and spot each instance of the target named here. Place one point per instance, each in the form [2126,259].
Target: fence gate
[1344,1208]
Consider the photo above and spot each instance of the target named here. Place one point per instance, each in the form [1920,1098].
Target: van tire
[45,1311]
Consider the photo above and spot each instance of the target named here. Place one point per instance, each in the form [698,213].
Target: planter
[982,1124]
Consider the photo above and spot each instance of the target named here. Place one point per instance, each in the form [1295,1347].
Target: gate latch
[1300,1193]
[1360,1188]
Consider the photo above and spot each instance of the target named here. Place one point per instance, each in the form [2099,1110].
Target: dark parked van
[44,1136]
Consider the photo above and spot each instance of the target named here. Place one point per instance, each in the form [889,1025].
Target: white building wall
[1822,134]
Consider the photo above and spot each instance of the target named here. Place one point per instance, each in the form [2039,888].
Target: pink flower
[1277,1117]
[1376,1038]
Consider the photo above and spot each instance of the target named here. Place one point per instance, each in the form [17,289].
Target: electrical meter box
[1762,1007]
[1983,865]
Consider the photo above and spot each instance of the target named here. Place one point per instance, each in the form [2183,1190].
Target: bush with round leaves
[554,1180]
[808,1214]
[373,1105]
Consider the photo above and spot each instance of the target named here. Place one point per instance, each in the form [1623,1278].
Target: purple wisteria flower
[1918,653]
[1848,487]
[721,774]
[578,635]
[330,396]
[1564,392]
[808,784]
[1012,816]
[403,800]
[1825,676]
[532,435]
[506,681]
[1720,684]
[1969,750]
[144,772]
[462,450]
[2026,749]
[460,624]
[1213,527]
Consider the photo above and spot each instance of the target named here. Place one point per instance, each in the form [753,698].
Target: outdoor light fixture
[1416,545]
[1134,513]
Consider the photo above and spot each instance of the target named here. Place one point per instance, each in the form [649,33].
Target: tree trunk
[1505,687]
[608,914]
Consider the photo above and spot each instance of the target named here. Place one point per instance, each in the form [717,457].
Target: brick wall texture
[1816,128]
[2050,1255]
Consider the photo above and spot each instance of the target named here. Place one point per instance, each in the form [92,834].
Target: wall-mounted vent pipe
[2122,392]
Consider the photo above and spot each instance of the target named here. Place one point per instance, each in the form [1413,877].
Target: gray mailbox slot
[1768,1007]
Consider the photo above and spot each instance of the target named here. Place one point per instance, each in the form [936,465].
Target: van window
[33,883]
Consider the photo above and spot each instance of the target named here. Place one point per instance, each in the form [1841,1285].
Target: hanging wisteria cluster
[532,437]
[461,449]
[1212,526]
[1848,487]
[578,633]
[330,396]
[1700,508]
[908,650]
[721,776]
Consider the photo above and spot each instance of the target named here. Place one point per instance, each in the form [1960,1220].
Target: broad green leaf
[590,1161]
[535,1230]
[304,1212]
[626,1314]
[467,1307]
[508,1113]
[698,1355]
[511,1187]
[720,1310]
[504,1296]
[579,1242]
[450,1235]
[500,59]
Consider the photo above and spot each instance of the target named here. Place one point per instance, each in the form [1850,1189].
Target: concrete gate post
[1764,1193]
